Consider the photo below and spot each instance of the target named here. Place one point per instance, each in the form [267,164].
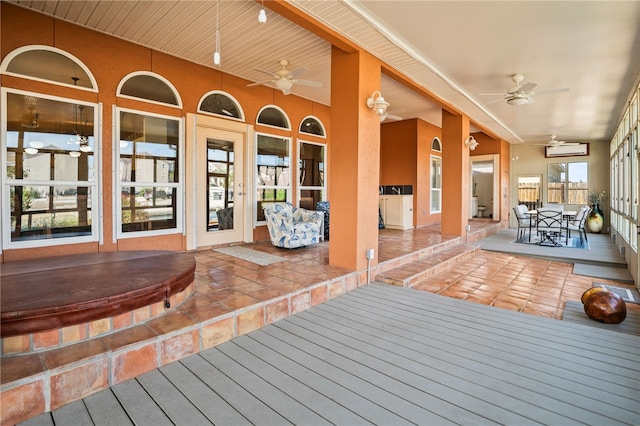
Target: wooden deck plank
[254,360]
[425,393]
[174,404]
[44,419]
[212,405]
[74,413]
[105,406]
[432,345]
[256,411]
[366,410]
[466,369]
[589,362]
[390,355]
[139,406]
[574,312]
[381,407]
[505,326]
[279,401]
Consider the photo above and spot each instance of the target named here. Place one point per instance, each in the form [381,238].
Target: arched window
[273,116]
[149,87]
[312,126]
[221,104]
[48,64]
[436,145]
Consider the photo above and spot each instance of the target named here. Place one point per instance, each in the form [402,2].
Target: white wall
[532,162]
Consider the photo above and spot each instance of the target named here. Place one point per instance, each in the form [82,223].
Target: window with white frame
[436,184]
[273,171]
[311,174]
[50,170]
[149,185]
[567,183]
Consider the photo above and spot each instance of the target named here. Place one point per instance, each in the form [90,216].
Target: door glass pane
[220,184]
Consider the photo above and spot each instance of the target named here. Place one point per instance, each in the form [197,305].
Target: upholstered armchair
[292,227]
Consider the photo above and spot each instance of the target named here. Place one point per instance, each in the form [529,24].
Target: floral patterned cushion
[292,227]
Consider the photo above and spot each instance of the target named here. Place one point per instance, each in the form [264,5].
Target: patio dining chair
[524,220]
[578,223]
[549,226]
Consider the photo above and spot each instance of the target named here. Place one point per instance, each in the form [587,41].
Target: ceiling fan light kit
[519,100]
[284,79]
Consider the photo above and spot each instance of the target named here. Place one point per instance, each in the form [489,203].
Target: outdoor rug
[574,242]
[574,312]
[628,295]
[253,256]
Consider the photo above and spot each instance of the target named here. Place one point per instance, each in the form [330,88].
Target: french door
[220,207]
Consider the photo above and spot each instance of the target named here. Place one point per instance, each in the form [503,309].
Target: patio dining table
[566,214]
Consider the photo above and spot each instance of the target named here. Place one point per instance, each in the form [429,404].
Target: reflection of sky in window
[51,141]
[219,155]
[151,148]
[578,172]
[272,160]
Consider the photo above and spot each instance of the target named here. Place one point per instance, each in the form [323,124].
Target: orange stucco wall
[110,59]
[354,165]
[405,159]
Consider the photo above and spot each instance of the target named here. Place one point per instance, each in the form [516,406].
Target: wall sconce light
[377,103]
[262,16]
[471,142]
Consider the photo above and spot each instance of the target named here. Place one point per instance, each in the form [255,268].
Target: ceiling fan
[554,143]
[284,79]
[522,94]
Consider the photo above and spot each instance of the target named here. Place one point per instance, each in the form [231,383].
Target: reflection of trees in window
[567,183]
[273,179]
[148,172]
[50,179]
[311,174]
[220,174]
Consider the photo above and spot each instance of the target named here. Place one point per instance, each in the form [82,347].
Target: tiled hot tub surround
[56,338]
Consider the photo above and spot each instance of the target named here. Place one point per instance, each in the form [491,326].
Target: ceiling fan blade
[308,83]
[297,72]
[493,102]
[269,73]
[492,94]
[393,117]
[549,91]
[258,83]
[527,87]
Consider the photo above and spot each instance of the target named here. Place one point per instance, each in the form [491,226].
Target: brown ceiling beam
[298,17]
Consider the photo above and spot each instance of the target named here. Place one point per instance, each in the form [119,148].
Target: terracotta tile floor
[519,283]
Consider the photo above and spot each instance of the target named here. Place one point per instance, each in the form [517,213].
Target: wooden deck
[387,355]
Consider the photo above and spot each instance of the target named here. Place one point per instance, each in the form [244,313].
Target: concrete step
[411,273]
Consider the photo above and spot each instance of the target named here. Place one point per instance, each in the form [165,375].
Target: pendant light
[216,54]
[262,16]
